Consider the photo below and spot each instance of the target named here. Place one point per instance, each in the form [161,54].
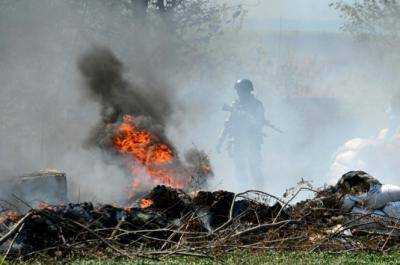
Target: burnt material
[171,202]
[56,227]
[356,182]
[220,208]
[257,213]
[217,203]
[178,223]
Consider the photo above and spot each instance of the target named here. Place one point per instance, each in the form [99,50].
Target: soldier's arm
[225,132]
[266,122]
[261,114]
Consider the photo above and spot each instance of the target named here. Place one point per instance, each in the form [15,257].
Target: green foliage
[376,23]
[242,257]
[372,20]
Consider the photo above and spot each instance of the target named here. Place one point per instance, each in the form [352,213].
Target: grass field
[249,258]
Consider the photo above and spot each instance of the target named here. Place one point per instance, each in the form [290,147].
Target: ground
[252,259]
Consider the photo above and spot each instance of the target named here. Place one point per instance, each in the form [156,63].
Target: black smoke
[104,83]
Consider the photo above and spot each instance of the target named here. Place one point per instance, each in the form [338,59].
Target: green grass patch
[244,258]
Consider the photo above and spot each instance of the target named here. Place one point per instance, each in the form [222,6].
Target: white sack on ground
[377,197]
[364,211]
[349,201]
[392,209]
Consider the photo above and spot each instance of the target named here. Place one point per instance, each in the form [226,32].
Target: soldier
[244,129]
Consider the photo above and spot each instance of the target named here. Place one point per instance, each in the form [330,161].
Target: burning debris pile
[169,221]
[132,131]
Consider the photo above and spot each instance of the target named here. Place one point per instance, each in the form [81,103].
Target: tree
[177,36]
[372,20]
[376,23]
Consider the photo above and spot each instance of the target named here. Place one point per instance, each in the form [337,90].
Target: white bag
[365,211]
[392,209]
[349,201]
[378,196]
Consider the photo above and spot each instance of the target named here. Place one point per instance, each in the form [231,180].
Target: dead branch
[16,228]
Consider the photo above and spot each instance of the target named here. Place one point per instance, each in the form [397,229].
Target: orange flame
[147,156]
[146,203]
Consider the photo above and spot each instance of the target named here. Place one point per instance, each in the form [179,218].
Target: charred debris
[168,221]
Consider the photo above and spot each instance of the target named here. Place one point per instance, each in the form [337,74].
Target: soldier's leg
[255,165]
[239,155]
[241,169]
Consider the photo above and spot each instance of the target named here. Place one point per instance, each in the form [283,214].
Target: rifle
[267,123]
[272,126]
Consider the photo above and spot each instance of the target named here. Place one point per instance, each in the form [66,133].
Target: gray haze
[321,88]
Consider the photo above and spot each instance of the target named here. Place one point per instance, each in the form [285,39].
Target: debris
[209,223]
[365,192]
[392,209]
[32,189]
[356,182]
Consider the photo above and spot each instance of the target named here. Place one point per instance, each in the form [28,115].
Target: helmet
[244,84]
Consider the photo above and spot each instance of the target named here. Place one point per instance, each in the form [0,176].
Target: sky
[292,9]
[299,15]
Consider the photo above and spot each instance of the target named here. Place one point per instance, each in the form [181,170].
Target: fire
[146,155]
[146,203]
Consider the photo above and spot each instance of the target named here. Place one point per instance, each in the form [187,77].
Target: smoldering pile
[173,222]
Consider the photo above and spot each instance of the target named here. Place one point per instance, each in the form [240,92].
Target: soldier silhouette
[243,130]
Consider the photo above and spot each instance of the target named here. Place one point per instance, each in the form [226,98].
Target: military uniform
[244,131]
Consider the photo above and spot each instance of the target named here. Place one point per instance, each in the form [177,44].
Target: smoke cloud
[105,84]
[320,87]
